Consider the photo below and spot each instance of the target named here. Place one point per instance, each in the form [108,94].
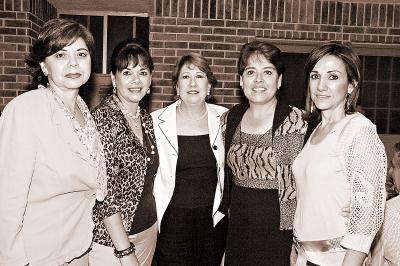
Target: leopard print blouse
[127,163]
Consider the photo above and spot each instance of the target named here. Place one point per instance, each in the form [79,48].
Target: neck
[192,111]
[68,96]
[262,110]
[130,107]
[331,117]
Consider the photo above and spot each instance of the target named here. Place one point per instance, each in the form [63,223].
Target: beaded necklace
[89,138]
[137,118]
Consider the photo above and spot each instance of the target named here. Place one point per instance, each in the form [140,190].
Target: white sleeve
[17,159]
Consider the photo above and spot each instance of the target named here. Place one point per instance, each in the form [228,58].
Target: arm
[17,159]
[365,166]
[396,171]
[118,235]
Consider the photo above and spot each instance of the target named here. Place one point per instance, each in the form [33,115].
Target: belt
[314,246]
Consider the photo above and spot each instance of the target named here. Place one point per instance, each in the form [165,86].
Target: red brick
[163,21]
[15,71]
[8,78]
[8,31]
[353,29]
[212,38]
[201,30]
[187,21]
[156,28]
[164,36]
[17,39]
[225,31]
[5,14]
[182,45]
[374,17]
[156,74]
[284,26]
[370,30]
[21,31]
[346,14]
[8,47]
[260,24]
[224,46]
[295,11]
[382,15]
[224,62]
[8,63]
[306,27]
[232,99]
[8,93]
[182,52]
[330,28]
[188,37]
[339,10]
[200,45]
[389,16]
[231,54]
[213,54]
[22,15]
[162,52]
[222,92]
[17,23]
[360,14]
[176,29]
[212,22]
[236,39]
[232,84]
[23,78]
[246,32]
[394,31]
[367,15]
[157,44]
[14,55]
[236,24]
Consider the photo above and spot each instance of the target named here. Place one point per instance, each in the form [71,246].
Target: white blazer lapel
[167,126]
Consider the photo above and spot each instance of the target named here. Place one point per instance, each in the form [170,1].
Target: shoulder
[217,108]
[165,112]
[358,122]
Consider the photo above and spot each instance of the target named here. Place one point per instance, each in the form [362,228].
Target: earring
[114,89]
[45,72]
[312,108]
[348,102]
[148,91]
[208,93]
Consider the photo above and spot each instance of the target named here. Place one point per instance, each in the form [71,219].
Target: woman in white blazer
[189,184]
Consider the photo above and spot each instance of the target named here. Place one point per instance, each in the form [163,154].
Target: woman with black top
[262,137]
[188,185]
[126,230]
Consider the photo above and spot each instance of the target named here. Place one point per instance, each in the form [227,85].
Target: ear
[241,82]
[351,86]
[44,68]
[279,82]
[113,79]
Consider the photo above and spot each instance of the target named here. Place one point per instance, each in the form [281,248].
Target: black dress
[254,237]
[187,235]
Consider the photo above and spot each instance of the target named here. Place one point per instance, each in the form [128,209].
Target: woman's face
[132,83]
[192,84]
[70,67]
[328,84]
[260,80]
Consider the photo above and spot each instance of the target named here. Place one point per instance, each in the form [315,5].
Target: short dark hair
[198,61]
[353,68]
[130,51]
[54,36]
[256,47]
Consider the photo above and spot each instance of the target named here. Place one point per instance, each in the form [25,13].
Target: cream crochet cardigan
[364,159]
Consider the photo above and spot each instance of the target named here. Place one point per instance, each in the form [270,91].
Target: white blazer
[167,144]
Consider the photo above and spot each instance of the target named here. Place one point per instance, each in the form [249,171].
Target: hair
[397,147]
[130,51]
[54,36]
[260,48]
[198,61]
[353,68]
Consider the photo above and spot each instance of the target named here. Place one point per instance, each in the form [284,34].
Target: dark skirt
[254,237]
[188,237]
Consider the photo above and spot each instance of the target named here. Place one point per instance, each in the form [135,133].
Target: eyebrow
[269,67]
[142,68]
[330,71]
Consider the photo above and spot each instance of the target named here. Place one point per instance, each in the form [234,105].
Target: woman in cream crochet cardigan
[341,167]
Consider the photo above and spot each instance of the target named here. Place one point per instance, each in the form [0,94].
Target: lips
[259,89]
[73,75]
[135,89]
[192,92]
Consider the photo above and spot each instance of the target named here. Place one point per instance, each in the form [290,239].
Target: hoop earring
[348,102]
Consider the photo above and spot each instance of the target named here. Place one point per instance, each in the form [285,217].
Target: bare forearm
[353,258]
[396,179]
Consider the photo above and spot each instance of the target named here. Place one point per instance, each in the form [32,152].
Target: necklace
[134,118]
[203,115]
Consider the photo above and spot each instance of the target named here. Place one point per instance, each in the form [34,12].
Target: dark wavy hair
[269,51]
[353,68]
[54,36]
[130,51]
[198,61]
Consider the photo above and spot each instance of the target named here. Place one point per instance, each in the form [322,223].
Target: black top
[146,215]
[196,173]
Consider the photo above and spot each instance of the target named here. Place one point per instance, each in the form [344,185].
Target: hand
[130,260]
[345,212]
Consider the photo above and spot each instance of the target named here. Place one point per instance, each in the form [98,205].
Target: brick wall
[218,28]
[20,21]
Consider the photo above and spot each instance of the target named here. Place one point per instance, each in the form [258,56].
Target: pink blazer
[47,184]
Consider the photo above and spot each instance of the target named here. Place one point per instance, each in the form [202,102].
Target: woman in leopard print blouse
[126,230]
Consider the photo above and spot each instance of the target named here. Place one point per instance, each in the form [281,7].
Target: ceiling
[133,6]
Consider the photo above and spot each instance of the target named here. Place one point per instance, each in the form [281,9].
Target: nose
[321,85]
[73,61]
[135,79]
[258,77]
[192,82]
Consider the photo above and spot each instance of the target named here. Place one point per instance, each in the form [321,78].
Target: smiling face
[70,67]
[132,83]
[192,85]
[260,80]
[329,84]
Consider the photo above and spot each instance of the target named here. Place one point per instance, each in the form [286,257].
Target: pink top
[47,184]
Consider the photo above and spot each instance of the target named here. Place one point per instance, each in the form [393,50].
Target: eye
[143,73]
[249,72]
[126,73]
[333,77]
[199,76]
[185,76]
[314,76]
[268,72]
[82,54]
[59,55]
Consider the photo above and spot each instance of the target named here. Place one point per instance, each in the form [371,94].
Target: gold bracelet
[125,252]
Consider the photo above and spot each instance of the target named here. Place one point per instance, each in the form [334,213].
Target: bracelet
[125,252]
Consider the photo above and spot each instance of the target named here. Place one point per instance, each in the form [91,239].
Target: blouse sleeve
[365,166]
[17,160]
[107,131]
